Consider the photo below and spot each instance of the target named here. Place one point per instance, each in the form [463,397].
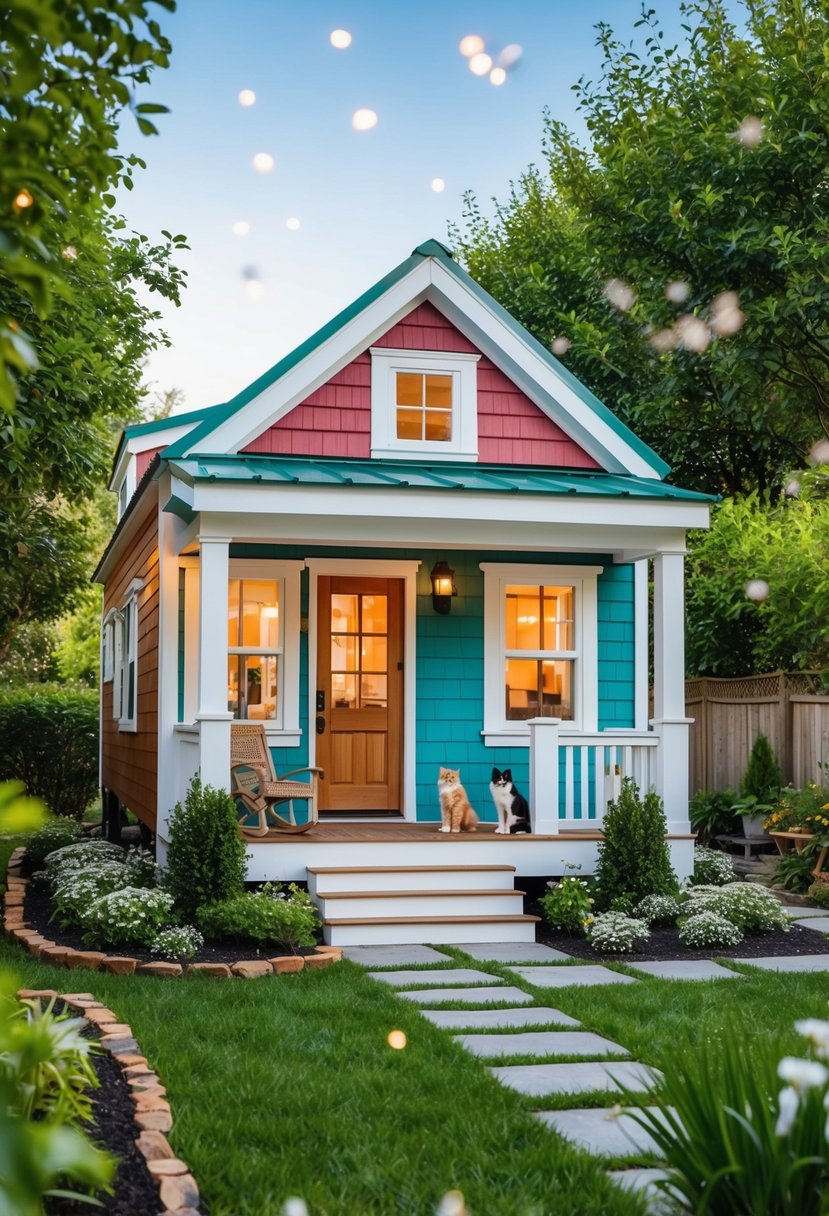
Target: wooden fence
[730,714]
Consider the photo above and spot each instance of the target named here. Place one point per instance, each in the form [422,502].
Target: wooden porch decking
[400,832]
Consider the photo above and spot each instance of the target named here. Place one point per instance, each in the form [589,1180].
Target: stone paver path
[790,962]
[562,977]
[799,913]
[687,969]
[819,923]
[514,952]
[540,1043]
[470,996]
[393,956]
[458,975]
[489,1019]
[539,1080]
[602,1131]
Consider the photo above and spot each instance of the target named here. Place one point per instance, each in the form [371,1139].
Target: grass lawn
[286,1086]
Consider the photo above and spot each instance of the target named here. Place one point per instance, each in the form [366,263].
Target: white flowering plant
[749,906]
[78,856]
[657,909]
[567,904]
[707,928]
[733,1139]
[131,915]
[178,943]
[141,868]
[74,890]
[616,933]
[712,868]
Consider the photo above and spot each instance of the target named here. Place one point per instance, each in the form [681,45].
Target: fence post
[544,788]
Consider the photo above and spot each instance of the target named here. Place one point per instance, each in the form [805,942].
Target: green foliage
[711,814]
[657,909]
[616,933]
[130,914]
[712,868]
[74,891]
[18,813]
[179,943]
[747,905]
[259,917]
[730,1143]
[54,834]
[708,929]
[818,894]
[793,871]
[662,191]
[44,1071]
[567,904]
[206,860]
[49,740]
[633,856]
[763,779]
[783,542]
[78,646]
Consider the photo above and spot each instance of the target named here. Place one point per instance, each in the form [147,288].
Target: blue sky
[364,199]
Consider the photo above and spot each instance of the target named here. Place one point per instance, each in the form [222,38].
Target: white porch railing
[574,776]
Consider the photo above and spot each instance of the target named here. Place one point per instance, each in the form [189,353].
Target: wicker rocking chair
[257,789]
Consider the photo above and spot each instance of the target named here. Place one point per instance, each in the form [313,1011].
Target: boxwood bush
[206,859]
[49,740]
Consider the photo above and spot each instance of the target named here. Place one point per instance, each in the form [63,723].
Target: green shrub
[748,906]
[54,834]
[710,813]
[260,917]
[658,909]
[206,855]
[49,740]
[616,933]
[178,943]
[141,868]
[708,928]
[633,856]
[712,867]
[567,904]
[132,914]
[818,894]
[763,779]
[793,871]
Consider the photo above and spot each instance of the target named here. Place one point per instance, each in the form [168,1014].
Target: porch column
[669,719]
[213,717]
[544,775]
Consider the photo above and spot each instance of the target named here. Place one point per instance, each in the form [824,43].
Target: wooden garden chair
[257,789]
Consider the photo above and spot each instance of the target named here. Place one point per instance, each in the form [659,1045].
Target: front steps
[366,905]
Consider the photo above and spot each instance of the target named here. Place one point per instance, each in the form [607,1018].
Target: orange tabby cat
[455,811]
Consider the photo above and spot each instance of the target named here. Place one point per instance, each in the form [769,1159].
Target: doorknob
[320,724]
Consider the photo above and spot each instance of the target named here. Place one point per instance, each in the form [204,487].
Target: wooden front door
[359,709]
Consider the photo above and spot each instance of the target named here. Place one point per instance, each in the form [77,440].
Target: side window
[125,661]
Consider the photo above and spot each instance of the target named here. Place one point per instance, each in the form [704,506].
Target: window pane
[559,633]
[410,388]
[260,613]
[409,424]
[233,591]
[344,691]
[374,654]
[375,614]
[373,692]
[539,688]
[344,614]
[523,618]
[439,392]
[557,689]
[343,653]
[438,426]
[252,686]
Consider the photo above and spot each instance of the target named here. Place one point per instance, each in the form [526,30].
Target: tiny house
[416,541]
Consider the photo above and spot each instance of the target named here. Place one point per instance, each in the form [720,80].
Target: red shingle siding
[336,419]
[142,462]
[129,760]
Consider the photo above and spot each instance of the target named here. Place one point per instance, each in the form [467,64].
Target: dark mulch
[38,909]
[113,1128]
[664,944]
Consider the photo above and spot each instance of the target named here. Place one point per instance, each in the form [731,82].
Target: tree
[704,176]
[69,276]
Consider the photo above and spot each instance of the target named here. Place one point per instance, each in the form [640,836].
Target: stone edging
[51,952]
[177,1189]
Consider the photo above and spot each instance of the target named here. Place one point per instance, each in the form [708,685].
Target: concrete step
[337,905]
[364,931]
[325,879]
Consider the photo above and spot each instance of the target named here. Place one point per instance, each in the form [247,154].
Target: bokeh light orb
[340,39]
[241,228]
[363,120]
[480,64]
[560,345]
[396,1039]
[471,44]
[497,76]
[263,162]
[757,589]
[438,185]
[292,223]
[247,98]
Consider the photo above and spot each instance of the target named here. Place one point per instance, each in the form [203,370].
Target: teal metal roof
[160,424]
[404,474]
[429,249]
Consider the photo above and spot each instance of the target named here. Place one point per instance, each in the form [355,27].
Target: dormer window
[424,403]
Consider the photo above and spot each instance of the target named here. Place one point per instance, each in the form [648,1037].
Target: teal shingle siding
[449,670]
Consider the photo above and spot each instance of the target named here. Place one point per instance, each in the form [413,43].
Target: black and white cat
[512,807]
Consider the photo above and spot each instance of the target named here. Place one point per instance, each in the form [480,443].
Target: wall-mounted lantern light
[443,587]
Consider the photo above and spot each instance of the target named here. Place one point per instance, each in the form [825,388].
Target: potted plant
[760,788]
[754,814]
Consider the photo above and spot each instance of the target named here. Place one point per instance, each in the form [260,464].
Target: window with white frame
[263,642]
[108,630]
[424,403]
[540,647]
[125,661]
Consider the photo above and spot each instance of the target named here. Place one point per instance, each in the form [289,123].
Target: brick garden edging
[51,952]
[177,1189]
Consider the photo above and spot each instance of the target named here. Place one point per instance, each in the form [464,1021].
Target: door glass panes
[424,406]
[539,618]
[359,651]
[539,688]
[252,686]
